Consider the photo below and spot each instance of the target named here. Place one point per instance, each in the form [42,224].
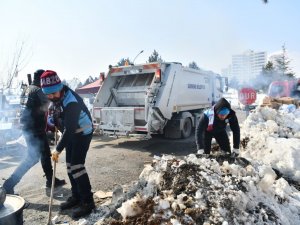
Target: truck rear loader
[154,98]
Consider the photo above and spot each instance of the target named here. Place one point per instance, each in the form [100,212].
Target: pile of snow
[274,138]
[260,187]
[209,190]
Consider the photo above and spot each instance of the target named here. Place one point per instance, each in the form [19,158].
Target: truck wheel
[187,128]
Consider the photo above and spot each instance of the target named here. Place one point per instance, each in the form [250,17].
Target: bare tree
[19,61]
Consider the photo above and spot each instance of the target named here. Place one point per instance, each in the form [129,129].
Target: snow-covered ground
[260,187]
[274,138]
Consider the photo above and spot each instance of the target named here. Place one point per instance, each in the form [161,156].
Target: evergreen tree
[263,80]
[79,85]
[268,74]
[282,64]
[194,65]
[268,68]
[155,57]
[88,80]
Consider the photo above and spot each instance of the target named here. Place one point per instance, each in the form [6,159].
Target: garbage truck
[154,98]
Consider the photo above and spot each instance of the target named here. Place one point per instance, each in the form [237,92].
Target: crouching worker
[212,124]
[76,137]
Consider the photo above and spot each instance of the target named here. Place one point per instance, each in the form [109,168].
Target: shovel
[52,185]
[51,195]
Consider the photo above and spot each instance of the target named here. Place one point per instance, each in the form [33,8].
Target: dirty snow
[260,187]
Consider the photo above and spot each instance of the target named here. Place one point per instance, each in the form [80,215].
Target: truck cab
[282,88]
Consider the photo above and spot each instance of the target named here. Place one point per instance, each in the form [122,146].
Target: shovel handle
[51,194]
[52,184]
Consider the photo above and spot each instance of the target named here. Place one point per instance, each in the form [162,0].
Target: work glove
[235,152]
[200,151]
[55,155]
[50,121]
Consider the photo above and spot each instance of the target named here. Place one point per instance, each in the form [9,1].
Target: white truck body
[154,98]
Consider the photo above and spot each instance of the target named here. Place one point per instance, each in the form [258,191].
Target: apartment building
[246,66]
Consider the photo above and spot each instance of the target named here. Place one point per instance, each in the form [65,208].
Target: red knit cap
[50,82]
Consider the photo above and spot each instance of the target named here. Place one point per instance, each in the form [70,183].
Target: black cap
[37,75]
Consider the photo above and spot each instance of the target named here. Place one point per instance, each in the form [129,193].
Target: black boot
[84,209]
[9,191]
[71,202]
[57,182]
[8,187]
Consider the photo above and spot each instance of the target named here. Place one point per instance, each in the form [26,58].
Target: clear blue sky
[80,38]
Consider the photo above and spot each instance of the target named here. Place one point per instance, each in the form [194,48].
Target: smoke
[295,62]
[261,82]
[22,157]
[9,110]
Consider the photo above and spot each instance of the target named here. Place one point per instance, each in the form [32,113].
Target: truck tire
[186,128]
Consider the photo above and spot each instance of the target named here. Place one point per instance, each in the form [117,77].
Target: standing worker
[212,124]
[76,138]
[33,121]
